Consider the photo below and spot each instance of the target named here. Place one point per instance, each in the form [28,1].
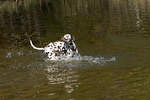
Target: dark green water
[113,38]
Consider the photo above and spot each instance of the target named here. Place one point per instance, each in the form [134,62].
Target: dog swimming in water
[66,48]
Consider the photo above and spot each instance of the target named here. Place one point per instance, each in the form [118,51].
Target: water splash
[97,60]
[63,72]
[83,60]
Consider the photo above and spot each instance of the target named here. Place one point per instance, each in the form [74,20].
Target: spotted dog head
[68,38]
[70,42]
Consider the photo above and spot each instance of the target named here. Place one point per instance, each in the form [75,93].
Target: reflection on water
[113,38]
[66,76]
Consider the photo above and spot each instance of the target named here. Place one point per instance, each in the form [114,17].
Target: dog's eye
[47,53]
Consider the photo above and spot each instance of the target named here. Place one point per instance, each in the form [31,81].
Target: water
[112,36]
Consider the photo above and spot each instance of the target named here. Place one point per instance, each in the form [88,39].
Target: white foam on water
[84,60]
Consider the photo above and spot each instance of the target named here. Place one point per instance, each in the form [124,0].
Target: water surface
[112,36]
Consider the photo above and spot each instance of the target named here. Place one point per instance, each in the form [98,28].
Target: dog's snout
[71,43]
[46,53]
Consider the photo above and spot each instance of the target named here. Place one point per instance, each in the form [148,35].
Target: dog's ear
[62,39]
[73,38]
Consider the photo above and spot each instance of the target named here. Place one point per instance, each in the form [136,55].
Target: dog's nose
[71,43]
[46,53]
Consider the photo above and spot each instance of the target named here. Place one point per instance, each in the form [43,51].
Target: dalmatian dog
[66,48]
